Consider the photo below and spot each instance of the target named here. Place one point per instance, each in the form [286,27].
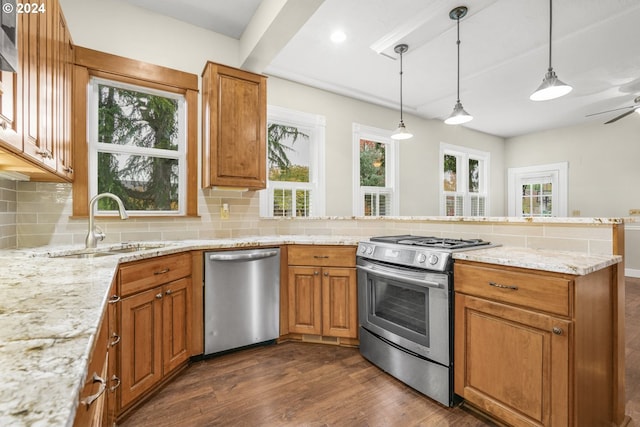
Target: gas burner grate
[430,241]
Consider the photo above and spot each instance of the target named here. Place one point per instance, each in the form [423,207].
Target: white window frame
[391,168]
[557,173]
[94,146]
[462,177]
[316,184]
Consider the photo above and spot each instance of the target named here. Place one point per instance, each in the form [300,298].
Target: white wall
[604,163]
[118,28]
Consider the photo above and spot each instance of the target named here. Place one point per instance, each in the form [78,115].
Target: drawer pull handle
[166,270]
[116,339]
[114,299]
[103,385]
[321,256]
[498,285]
[557,331]
[114,387]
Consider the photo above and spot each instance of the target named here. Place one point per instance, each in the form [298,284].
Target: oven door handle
[399,276]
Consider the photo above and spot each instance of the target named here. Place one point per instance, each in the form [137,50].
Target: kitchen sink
[107,251]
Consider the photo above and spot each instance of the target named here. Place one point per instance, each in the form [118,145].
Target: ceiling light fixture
[338,36]
[401,132]
[459,115]
[551,87]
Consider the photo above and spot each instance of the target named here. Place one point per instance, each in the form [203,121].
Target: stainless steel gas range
[405,306]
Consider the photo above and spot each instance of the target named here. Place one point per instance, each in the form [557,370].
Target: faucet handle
[99,234]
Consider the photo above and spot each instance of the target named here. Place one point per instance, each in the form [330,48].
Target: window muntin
[538,191]
[375,172]
[294,158]
[464,189]
[137,148]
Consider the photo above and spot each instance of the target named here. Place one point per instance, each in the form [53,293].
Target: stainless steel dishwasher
[241,298]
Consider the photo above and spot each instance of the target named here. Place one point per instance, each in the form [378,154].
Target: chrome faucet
[95,233]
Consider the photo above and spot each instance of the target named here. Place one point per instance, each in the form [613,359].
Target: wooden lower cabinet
[534,348]
[322,300]
[155,329]
[92,405]
[154,337]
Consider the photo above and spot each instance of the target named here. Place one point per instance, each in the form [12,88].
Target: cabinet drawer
[143,275]
[332,256]
[538,291]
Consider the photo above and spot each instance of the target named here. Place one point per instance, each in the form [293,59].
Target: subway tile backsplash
[8,207]
[36,214]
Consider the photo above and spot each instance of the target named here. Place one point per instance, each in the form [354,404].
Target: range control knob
[433,259]
[369,250]
[422,258]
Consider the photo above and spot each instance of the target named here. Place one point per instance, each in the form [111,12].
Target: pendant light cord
[401,121]
[550,27]
[458,43]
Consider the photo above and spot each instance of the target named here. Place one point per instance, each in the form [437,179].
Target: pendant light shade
[401,132]
[551,86]
[459,115]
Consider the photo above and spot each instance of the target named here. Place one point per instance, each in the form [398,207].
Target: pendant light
[459,115]
[551,87]
[401,132]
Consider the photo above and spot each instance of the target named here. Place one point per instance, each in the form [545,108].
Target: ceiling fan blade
[609,111]
[615,119]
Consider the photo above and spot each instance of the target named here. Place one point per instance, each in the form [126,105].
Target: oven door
[408,307]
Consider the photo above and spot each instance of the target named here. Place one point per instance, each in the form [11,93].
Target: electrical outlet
[224,211]
[634,211]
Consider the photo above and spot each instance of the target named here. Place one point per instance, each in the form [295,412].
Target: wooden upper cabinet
[234,108]
[35,116]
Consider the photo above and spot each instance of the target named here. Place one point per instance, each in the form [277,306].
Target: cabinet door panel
[176,306]
[141,359]
[305,305]
[511,363]
[339,302]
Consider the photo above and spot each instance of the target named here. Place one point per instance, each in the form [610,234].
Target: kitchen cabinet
[35,120]
[527,342]
[322,291]
[234,111]
[154,323]
[92,405]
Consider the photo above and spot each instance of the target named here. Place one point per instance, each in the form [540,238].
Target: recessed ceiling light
[338,36]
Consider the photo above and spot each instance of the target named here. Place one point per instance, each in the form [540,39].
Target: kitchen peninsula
[51,309]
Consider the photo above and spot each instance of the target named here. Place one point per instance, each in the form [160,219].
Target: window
[295,157]
[137,147]
[538,191]
[465,181]
[375,172]
[135,163]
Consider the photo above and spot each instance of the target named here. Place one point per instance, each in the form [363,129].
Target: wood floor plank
[316,385]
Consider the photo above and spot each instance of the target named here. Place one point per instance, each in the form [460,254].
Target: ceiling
[504,54]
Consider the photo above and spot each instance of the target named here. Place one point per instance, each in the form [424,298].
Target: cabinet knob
[159,296]
[326,274]
[114,299]
[315,273]
[168,292]
[3,123]
[557,331]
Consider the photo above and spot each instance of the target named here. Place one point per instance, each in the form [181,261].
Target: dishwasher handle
[251,256]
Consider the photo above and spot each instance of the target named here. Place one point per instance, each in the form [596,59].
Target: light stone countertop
[50,309]
[540,259]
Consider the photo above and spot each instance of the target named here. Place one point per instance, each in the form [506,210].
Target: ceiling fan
[634,107]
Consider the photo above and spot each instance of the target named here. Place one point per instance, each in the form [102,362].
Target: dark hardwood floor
[315,385]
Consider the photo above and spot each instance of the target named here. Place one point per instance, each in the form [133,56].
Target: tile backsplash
[43,216]
[8,208]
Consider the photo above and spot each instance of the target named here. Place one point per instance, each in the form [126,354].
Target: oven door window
[398,306]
